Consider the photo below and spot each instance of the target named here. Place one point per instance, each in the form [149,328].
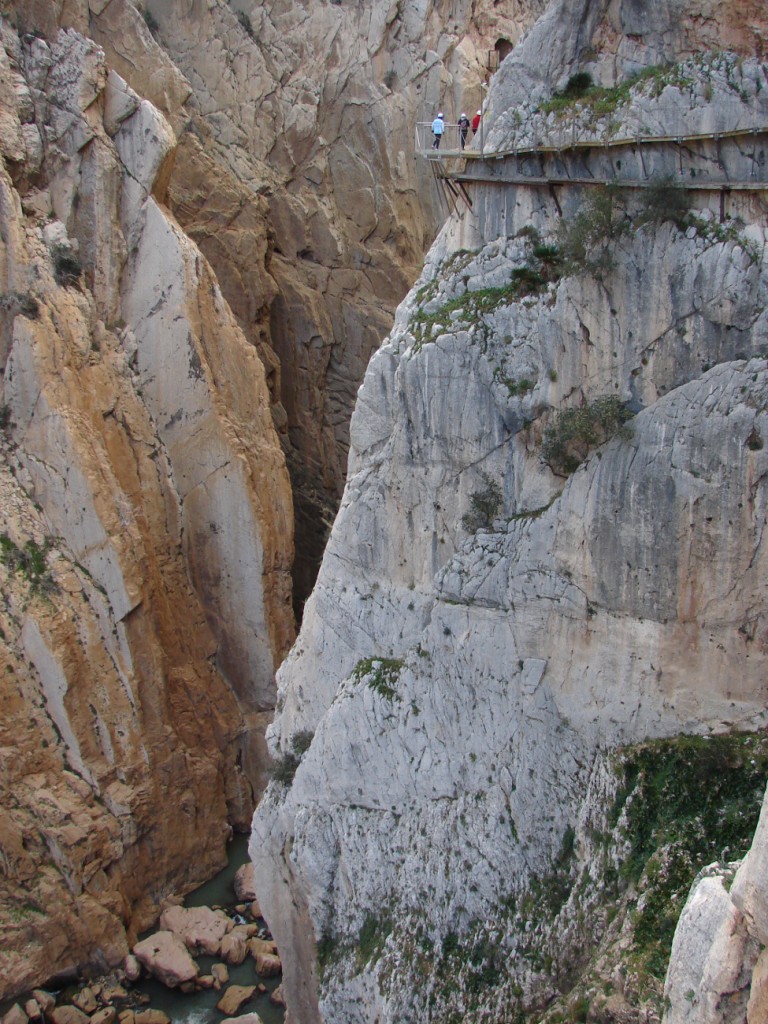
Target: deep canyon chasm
[205,229]
[484,805]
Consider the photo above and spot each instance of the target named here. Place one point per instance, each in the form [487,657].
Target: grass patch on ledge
[686,803]
[581,93]
[381,675]
[471,306]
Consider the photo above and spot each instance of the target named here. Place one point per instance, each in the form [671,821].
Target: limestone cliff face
[147,524]
[718,969]
[147,511]
[485,630]
[296,177]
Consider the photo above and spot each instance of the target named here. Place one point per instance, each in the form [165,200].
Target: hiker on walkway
[438,127]
[476,122]
[463,123]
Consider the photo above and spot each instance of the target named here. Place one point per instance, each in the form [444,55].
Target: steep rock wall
[135,414]
[147,515]
[296,144]
[717,967]
[460,684]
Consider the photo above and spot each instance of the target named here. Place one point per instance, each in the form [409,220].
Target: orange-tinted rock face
[147,527]
[295,176]
[139,452]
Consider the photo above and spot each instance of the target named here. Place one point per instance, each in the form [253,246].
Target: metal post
[482,118]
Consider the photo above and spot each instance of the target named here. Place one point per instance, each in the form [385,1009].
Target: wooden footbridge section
[706,162]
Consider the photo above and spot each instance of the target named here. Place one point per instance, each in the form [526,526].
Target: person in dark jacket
[463,123]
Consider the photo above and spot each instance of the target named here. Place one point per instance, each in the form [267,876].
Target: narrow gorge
[521,708]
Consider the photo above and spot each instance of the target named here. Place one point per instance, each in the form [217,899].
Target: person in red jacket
[476,122]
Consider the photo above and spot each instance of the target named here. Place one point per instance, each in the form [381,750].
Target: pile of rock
[97,1003]
[168,956]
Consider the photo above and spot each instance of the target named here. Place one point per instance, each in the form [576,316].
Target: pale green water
[200,1007]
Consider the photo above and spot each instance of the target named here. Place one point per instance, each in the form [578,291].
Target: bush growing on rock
[484,507]
[585,240]
[20,302]
[283,768]
[381,675]
[67,268]
[664,200]
[573,433]
[30,562]
[302,741]
[245,22]
[150,21]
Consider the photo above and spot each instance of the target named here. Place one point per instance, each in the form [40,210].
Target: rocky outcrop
[147,514]
[717,969]
[165,956]
[199,928]
[295,177]
[490,618]
[185,218]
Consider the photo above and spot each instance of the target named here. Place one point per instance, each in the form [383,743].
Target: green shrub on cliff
[381,675]
[29,562]
[586,239]
[283,768]
[665,200]
[605,100]
[484,506]
[686,803]
[573,433]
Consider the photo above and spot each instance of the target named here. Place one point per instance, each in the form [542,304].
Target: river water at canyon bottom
[200,1007]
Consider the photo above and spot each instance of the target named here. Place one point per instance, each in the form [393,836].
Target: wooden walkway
[506,167]
[575,144]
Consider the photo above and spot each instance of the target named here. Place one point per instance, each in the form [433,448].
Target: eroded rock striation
[549,553]
[295,176]
[206,226]
[147,537]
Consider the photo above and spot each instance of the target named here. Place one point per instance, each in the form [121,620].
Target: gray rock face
[717,968]
[139,461]
[461,683]
[295,176]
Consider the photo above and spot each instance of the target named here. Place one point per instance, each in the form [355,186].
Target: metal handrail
[450,143]
[576,144]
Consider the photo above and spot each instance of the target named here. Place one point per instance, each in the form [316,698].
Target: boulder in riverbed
[152,1017]
[268,965]
[44,999]
[132,968]
[220,974]
[235,997]
[277,997]
[235,945]
[107,1015]
[200,928]
[15,1016]
[245,888]
[85,1000]
[166,958]
[68,1015]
